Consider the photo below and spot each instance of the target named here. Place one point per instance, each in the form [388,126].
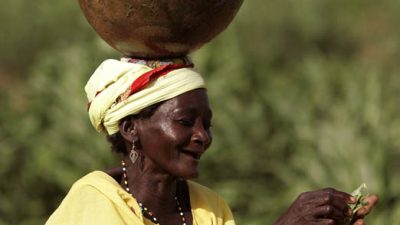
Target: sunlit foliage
[305,96]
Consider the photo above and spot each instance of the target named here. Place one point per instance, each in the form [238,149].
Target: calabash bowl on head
[158,28]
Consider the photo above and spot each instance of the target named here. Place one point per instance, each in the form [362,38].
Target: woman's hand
[323,207]
[371,201]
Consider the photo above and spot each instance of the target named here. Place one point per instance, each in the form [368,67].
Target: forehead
[195,100]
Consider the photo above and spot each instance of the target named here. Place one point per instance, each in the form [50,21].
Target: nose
[202,135]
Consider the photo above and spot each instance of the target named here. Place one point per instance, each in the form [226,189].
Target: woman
[157,116]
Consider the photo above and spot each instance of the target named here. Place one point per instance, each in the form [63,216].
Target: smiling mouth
[194,155]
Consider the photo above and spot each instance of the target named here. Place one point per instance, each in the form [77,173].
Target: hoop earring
[133,155]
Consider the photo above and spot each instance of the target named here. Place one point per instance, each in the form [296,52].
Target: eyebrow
[190,110]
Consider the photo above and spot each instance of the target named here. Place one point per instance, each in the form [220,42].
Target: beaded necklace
[145,211]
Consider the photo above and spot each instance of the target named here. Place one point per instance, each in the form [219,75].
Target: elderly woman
[157,115]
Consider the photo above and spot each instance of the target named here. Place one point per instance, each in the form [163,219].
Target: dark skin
[170,144]
[325,207]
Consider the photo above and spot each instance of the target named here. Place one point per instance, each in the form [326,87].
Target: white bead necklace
[145,211]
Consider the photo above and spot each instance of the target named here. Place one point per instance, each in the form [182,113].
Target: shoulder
[95,185]
[209,205]
[94,197]
[96,180]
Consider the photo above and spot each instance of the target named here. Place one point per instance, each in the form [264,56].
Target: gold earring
[133,155]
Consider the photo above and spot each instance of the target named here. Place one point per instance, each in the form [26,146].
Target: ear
[128,129]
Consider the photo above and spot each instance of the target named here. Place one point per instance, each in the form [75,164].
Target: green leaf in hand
[360,193]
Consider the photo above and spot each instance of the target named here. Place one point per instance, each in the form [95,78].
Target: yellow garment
[106,88]
[99,200]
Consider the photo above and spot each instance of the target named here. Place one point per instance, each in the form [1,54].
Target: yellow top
[98,199]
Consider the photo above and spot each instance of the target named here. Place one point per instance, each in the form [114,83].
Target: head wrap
[121,88]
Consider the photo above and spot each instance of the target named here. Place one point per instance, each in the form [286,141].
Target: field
[305,95]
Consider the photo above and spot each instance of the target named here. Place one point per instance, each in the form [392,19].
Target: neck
[153,188]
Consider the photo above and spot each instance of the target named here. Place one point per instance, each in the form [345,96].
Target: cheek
[168,134]
[161,139]
[177,134]
[165,138]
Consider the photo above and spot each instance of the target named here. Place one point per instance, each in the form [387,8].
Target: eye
[186,122]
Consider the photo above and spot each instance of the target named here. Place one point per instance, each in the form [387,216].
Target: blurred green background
[305,95]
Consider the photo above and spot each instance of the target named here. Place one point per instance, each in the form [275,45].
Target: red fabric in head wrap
[146,78]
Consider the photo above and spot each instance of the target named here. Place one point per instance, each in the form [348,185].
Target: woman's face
[177,134]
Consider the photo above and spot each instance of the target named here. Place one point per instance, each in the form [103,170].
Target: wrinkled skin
[170,144]
[325,207]
[172,141]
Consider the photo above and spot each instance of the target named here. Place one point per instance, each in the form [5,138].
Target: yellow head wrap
[108,91]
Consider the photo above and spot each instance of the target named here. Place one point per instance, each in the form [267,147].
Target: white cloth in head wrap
[110,100]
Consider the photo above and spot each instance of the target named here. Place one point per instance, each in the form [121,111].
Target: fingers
[327,204]
[371,201]
[325,207]
[330,212]
[343,195]
[326,222]
[330,195]
[359,222]
[335,203]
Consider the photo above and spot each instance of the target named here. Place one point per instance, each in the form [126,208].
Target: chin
[193,176]
[189,174]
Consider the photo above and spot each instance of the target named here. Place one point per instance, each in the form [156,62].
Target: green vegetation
[360,193]
[305,96]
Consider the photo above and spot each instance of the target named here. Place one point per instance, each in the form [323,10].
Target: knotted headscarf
[121,88]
